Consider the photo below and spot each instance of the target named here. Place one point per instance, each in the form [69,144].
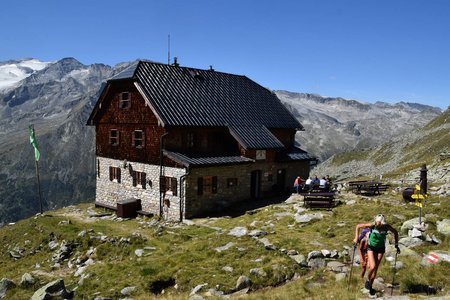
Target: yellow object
[419,196]
[417,187]
[419,203]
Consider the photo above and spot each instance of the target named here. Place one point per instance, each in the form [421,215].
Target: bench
[319,199]
[368,187]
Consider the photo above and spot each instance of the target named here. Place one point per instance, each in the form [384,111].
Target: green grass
[186,255]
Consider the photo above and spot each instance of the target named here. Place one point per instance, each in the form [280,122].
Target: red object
[433,258]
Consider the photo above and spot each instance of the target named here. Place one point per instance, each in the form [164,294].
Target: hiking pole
[351,266]
[393,275]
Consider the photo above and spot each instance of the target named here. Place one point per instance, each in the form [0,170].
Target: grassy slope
[186,253]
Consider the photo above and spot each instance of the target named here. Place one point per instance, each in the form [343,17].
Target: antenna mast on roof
[168,49]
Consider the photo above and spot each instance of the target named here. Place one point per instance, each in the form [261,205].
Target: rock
[139,252]
[300,259]
[196,297]
[415,233]
[63,252]
[336,266]
[257,233]
[15,255]
[64,222]
[53,289]
[316,263]
[5,285]
[258,272]
[243,282]
[350,202]
[410,242]
[443,226]
[82,233]
[334,254]
[228,269]
[282,215]
[27,280]
[52,245]
[315,254]
[127,291]
[292,252]
[196,289]
[325,253]
[238,231]
[225,247]
[437,257]
[268,245]
[307,217]
[408,225]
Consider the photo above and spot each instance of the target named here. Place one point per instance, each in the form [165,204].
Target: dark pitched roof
[296,154]
[255,137]
[206,161]
[192,97]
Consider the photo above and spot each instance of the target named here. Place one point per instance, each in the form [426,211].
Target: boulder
[307,217]
[225,247]
[53,289]
[243,282]
[315,254]
[5,285]
[27,280]
[443,226]
[410,242]
[408,225]
[196,289]
[257,233]
[127,291]
[238,231]
[258,272]
[316,263]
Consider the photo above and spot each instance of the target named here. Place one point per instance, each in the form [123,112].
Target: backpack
[363,234]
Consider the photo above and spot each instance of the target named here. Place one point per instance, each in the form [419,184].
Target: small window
[114,137]
[125,100]
[207,185]
[169,185]
[138,139]
[114,174]
[139,179]
[231,182]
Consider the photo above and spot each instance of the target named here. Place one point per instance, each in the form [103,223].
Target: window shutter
[214,185]
[143,180]
[133,174]
[200,186]
[162,184]
[111,173]
[132,139]
[174,186]
[143,138]
[118,175]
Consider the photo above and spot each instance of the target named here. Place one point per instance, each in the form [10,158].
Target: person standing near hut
[297,184]
[376,246]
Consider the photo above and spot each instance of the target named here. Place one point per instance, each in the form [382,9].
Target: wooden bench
[368,187]
[319,199]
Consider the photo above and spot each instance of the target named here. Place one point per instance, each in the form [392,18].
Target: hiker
[308,184]
[362,249]
[376,246]
[297,184]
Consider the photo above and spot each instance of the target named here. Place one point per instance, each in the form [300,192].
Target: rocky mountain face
[57,97]
[334,125]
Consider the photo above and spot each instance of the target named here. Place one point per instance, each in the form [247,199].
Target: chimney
[175,62]
[211,68]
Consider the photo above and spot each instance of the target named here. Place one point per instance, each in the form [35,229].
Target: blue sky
[367,50]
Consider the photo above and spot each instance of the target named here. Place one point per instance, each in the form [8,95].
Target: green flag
[33,142]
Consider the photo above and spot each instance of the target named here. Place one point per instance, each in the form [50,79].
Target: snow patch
[11,74]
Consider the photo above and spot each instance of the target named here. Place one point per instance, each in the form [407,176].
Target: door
[255,184]
[281,181]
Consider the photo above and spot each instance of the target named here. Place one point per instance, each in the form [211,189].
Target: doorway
[255,184]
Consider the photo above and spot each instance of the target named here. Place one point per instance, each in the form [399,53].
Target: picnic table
[368,187]
[319,199]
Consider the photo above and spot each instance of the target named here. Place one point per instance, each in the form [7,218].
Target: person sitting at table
[308,184]
[322,183]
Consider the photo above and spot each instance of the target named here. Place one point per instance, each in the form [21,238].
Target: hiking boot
[367,285]
[372,291]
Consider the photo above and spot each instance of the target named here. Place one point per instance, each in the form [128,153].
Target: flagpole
[36,161]
[39,185]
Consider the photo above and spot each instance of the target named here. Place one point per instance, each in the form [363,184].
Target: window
[139,179]
[114,137]
[190,140]
[124,100]
[169,185]
[138,139]
[207,185]
[231,182]
[114,174]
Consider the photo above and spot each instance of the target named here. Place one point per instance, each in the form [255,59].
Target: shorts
[378,250]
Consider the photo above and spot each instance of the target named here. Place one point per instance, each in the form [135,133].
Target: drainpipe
[161,141]
[183,195]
